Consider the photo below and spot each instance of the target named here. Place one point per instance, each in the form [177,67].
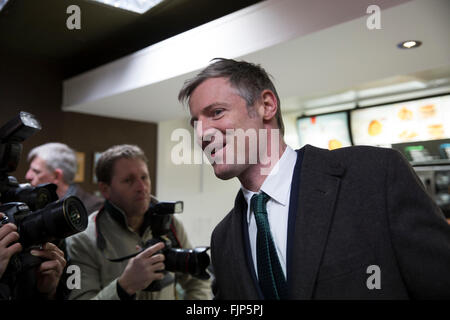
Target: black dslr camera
[192,261]
[177,259]
[38,215]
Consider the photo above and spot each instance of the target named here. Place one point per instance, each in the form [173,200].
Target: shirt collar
[121,218]
[278,183]
[71,191]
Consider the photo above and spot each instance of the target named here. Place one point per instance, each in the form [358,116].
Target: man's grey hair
[57,156]
[249,79]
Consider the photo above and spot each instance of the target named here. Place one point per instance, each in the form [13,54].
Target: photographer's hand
[143,269]
[8,235]
[50,271]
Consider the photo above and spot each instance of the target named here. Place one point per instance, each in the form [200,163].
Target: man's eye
[217,112]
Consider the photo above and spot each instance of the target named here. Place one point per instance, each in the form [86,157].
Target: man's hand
[8,235]
[142,270]
[49,272]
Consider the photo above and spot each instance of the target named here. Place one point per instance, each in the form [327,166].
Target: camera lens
[58,220]
[73,211]
[191,261]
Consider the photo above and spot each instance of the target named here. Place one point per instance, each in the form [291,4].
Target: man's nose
[205,133]
[199,131]
[142,185]
[29,175]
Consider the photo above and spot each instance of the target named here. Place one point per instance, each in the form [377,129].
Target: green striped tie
[271,278]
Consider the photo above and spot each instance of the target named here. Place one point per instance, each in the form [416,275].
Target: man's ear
[270,104]
[58,176]
[104,189]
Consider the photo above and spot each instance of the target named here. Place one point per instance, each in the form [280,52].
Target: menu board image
[328,131]
[418,120]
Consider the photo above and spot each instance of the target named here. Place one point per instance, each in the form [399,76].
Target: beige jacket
[99,276]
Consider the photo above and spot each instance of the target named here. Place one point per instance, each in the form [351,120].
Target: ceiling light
[138,6]
[409,44]
[393,88]
[2,4]
[404,96]
[331,100]
[321,110]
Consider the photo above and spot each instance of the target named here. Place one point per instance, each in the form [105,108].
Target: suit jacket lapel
[316,197]
[245,275]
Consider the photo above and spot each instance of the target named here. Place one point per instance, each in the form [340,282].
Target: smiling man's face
[216,106]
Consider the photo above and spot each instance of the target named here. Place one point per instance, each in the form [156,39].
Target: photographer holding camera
[41,282]
[122,227]
[31,266]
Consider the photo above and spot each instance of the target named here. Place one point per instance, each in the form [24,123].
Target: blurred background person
[56,163]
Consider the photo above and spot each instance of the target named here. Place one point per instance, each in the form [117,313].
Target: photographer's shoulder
[180,232]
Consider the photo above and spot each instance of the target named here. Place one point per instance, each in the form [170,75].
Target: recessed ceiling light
[409,44]
[138,6]
[2,4]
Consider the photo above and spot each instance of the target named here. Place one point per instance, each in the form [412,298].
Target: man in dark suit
[353,223]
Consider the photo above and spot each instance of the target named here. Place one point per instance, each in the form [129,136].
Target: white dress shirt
[278,186]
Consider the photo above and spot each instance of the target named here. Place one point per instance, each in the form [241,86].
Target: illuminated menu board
[328,131]
[418,120]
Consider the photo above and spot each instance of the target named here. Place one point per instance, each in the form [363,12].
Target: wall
[35,86]
[290,129]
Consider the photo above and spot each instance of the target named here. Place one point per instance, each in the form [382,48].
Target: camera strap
[125,258]
[148,244]
[154,221]
[118,217]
